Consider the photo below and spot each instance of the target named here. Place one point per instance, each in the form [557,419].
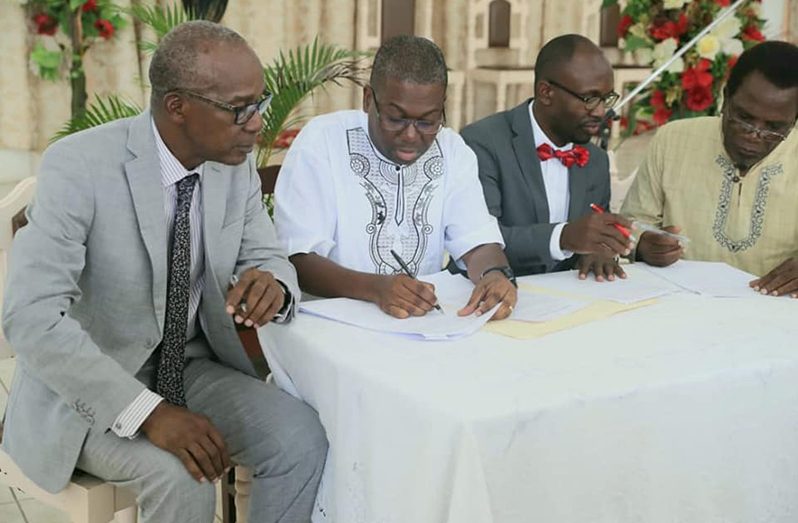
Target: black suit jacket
[511,178]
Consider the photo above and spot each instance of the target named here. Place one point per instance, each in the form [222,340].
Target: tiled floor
[15,505]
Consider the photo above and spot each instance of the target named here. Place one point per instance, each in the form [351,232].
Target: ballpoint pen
[623,230]
[407,271]
[647,227]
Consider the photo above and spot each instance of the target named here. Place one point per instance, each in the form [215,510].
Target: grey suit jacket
[514,191]
[86,291]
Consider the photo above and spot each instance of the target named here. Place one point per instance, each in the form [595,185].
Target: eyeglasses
[243,113]
[763,134]
[397,125]
[591,101]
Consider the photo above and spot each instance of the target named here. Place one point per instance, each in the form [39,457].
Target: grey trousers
[277,436]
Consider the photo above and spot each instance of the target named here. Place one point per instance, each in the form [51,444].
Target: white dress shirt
[558,194]
[129,421]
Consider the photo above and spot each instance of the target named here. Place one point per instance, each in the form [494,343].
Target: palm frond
[160,19]
[101,110]
[292,77]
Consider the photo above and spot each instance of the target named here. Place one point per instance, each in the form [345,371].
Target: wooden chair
[86,499]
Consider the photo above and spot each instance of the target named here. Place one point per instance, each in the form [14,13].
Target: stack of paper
[452,291]
[706,278]
[636,288]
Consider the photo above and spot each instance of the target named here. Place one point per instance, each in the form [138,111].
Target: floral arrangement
[654,29]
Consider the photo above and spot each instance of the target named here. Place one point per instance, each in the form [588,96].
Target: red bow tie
[577,155]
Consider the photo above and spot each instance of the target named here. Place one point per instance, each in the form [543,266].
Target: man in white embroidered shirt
[357,185]
[119,308]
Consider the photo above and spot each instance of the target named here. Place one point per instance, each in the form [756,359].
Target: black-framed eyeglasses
[591,101]
[243,113]
[765,135]
[397,125]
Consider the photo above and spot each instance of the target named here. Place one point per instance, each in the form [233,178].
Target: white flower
[673,4]
[644,55]
[756,8]
[638,30]
[663,51]
[732,47]
[728,28]
[708,47]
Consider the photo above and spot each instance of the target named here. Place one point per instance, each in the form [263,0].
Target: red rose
[697,76]
[624,25]
[723,3]
[90,5]
[658,99]
[699,98]
[662,30]
[753,33]
[732,62]
[285,138]
[105,28]
[45,24]
[662,115]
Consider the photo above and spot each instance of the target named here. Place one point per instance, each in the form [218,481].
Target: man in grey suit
[542,201]
[119,308]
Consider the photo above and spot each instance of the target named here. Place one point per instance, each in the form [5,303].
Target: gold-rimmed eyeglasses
[766,135]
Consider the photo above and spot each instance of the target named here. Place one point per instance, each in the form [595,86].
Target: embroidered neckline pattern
[757,212]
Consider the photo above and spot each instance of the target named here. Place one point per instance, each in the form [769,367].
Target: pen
[628,235]
[405,268]
[233,282]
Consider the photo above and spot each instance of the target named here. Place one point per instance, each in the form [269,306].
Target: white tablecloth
[683,411]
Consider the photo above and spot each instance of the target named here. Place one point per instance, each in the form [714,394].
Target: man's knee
[170,489]
[302,446]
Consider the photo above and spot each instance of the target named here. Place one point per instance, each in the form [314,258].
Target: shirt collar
[540,136]
[172,171]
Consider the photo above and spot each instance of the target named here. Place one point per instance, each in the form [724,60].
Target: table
[683,411]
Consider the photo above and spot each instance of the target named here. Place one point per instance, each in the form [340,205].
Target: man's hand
[604,267]
[256,299]
[596,233]
[659,250]
[492,288]
[781,281]
[402,296]
[189,436]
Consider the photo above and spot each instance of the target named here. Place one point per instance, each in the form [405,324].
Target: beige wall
[31,109]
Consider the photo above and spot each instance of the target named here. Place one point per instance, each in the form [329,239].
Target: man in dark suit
[543,199]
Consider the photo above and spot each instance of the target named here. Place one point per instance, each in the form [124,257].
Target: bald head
[178,61]
[559,53]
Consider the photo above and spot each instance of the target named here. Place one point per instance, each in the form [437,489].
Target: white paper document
[706,278]
[452,291]
[636,287]
[535,307]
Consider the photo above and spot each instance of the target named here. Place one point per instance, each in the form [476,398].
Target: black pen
[405,268]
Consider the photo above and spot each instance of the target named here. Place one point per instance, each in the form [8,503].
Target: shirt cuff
[284,314]
[554,244]
[128,423]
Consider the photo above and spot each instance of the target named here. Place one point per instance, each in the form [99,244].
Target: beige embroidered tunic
[687,179]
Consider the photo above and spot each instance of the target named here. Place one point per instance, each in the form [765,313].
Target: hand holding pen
[254,299]
[402,295]
[598,232]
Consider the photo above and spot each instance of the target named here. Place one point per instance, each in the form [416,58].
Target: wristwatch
[504,269]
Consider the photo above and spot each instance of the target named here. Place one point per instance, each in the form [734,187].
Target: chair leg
[228,497]
[243,487]
[127,515]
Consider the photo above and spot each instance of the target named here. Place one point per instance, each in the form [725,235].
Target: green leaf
[633,43]
[608,3]
[49,62]
[101,110]
[160,19]
[75,4]
[292,77]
